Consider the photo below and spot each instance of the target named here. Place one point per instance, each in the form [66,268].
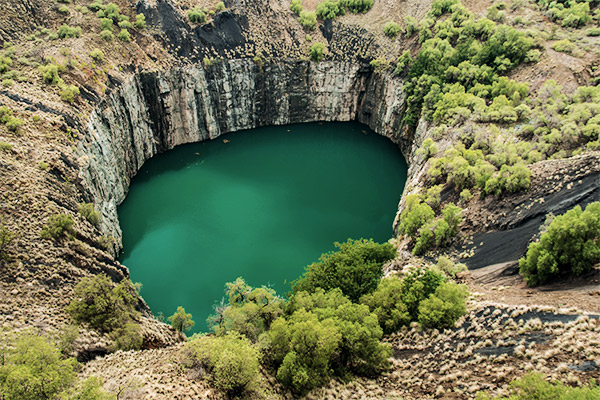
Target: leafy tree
[250,311]
[101,304]
[570,245]
[58,225]
[181,320]
[386,303]
[414,216]
[418,286]
[232,361]
[355,268]
[444,307]
[316,51]
[34,370]
[329,9]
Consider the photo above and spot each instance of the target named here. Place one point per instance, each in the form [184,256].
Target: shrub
[418,286]
[7,83]
[14,124]
[64,10]
[448,267]
[34,370]
[571,245]
[68,93]
[359,6]
[403,62]
[391,29]
[316,51]
[296,6]
[6,146]
[308,19]
[51,73]
[181,320]
[58,225]
[106,35]
[127,337]
[414,216]
[329,9]
[124,35]
[140,20]
[125,25]
[465,195]
[250,311]
[444,307]
[386,303]
[88,212]
[220,6]
[106,24]
[232,361]
[534,386]
[97,55]
[112,11]
[102,304]
[107,242]
[196,16]
[564,46]
[355,268]
[66,31]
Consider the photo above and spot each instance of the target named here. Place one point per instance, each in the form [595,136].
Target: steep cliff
[155,111]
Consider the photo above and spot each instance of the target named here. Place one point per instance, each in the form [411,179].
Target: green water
[262,206]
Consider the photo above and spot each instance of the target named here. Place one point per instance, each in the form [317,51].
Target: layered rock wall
[154,112]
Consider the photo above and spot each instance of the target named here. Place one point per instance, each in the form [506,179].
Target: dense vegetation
[109,308]
[34,369]
[571,244]
[333,322]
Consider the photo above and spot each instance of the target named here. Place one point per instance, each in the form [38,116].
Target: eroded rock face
[156,111]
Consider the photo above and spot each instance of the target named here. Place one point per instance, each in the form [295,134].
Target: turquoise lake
[261,204]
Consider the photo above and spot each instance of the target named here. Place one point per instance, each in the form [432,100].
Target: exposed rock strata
[154,112]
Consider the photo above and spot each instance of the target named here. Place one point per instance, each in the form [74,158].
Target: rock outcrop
[156,111]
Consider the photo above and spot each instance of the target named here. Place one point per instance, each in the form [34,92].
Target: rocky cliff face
[156,111]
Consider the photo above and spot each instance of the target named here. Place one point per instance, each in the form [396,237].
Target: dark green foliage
[391,29]
[329,9]
[196,16]
[34,370]
[231,360]
[571,245]
[355,268]
[418,286]
[308,19]
[250,311]
[58,225]
[106,24]
[103,305]
[51,73]
[66,31]
[444,307]
[181,320]
[457,54]
[296,6]
[386,303]
[414,216]
[325,333]
[534,386]
[316,51]
[112,11]
[358,6]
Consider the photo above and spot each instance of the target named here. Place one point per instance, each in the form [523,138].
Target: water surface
[261,204]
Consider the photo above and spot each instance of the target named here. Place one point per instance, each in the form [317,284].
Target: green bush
[391,29]
[355,268]
[448,267]
[68,93]
[250,311]
[417,286]
[443,308]
[231,360]
[14,124]
[127,337]
[34,370]
[97,55]
[386,303]
[196,16]
[7,147]
[181,320]
[465,195]
[329,9]
[140,20]
[58,225]
[124,35]
[106,242]
[414,216]
[410,25]
[564,46]
[64,10]
[308,19]
[6,240]
[106,24]
[220,6]
[359,6]
[51,73]
[534,386]
[571,245]
[325,333]
[403,62]
[88,212]
[66,31]
[106,35]
[125,25]
[296,6]
[316,51]
[112,11]
[103,305]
